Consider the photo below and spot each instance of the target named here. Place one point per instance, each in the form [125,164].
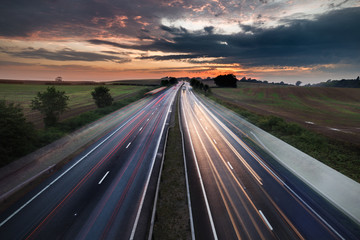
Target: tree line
[343,83]
[19,137]
[199,85]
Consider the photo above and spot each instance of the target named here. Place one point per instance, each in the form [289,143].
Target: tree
[17,136]
[165,82]
[173,80]
[51,104]
[228,80]
[206,88]
[298,83]
[102,96]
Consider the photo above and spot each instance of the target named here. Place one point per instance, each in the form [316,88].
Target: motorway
[236,194]
[103,192]
[236,190]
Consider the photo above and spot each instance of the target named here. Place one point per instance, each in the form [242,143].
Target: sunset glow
[276,41]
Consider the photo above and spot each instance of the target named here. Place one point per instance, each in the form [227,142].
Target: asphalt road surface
[235,194]
[101,193]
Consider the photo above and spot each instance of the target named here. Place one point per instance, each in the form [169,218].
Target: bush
[17,136]
[102,96]
[51,104]
[228,80]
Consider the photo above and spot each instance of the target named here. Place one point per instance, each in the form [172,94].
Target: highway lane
[100,193]
[236,195]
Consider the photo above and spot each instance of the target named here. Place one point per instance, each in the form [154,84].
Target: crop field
[80,97]
[334,112]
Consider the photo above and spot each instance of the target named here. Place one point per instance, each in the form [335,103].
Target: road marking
[265,166]
[206,128]
[148,177]
[201,182]
[187,179]
[230,166]
[128,144]
[140,129]
[265,219]
[67,170]
[103,177]
[148,119]
[215,141]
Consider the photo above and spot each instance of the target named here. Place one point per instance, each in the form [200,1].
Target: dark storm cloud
[172,57]
[65,55]
[330,38]
[70,18]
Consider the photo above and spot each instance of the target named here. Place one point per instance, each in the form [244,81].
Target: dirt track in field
[334,112]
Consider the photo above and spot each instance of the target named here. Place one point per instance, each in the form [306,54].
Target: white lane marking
[201,181]
[256,176]
[128,144]
[103,177]
[152,113]
[149,175]
[148,119]
[230,166]
[140,129]
[187,180]
[206,128]
[215,141]
[67,170]
[264,165]
[265,219]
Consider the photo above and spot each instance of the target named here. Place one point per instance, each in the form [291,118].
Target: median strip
[172,214]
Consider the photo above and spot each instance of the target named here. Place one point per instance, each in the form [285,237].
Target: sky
[102,40]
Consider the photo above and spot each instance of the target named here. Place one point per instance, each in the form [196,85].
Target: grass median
[172,213]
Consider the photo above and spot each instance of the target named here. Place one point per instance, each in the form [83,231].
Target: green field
[298,114]
[80,96]
[334,112]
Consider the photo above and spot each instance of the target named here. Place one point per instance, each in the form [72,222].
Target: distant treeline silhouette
[344,83]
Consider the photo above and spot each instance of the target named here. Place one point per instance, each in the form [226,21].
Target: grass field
[297,114]
[334,112]
[80,97]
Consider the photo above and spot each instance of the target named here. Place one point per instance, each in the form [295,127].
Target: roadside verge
[340,190]
[21,173]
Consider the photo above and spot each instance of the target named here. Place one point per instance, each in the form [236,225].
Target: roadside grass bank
[172,213]
[341,156]
[46,136]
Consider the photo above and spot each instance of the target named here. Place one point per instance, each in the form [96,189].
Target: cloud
[65,54]
[172,57]
[330,38]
